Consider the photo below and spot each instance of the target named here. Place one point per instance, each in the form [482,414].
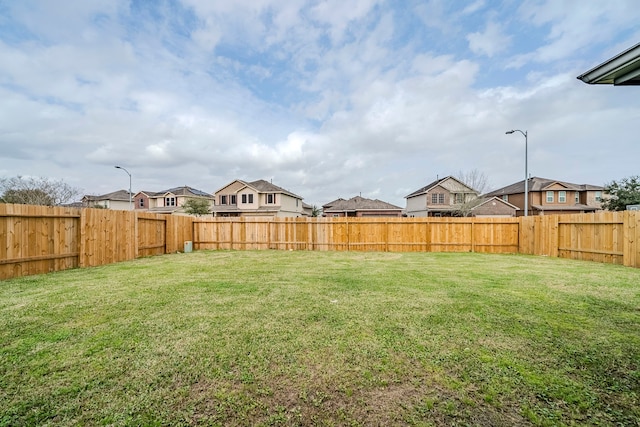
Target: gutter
[622,69]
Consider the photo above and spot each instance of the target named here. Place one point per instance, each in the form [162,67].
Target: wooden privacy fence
[40,239]
[37,239]
[496,235]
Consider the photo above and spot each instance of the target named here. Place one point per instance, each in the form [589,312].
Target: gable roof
[177,191]
[540,184]
[333,202]
[267,187]
[621,70]
[486,200]
[442,182]
[359,203]
[262,186]
[120,195]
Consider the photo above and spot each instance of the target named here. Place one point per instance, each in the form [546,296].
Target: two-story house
[360,207]
[257,198]
[550,196]
[446,196]
[169,201]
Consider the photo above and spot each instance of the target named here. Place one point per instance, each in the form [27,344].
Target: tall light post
[130,202]
[526,171]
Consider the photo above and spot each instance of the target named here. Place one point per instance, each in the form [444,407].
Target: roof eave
[622,69]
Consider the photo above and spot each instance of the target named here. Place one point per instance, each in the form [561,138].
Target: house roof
[262,186]
[486,200]
[567,207]
[120,195]
[178,191]
[359,203]
[541,184]
[621,70]
[437,182]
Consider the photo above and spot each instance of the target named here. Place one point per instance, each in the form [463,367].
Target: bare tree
[37,191]
[475,179]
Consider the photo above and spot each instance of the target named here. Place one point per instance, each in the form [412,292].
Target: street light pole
[526,171]
[130,202]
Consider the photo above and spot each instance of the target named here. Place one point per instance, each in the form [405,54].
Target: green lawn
[323,338]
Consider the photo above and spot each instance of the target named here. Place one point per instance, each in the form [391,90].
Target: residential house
[360,207]
[446,196]
[169,201]
[307,209]
[549,196]
[257,198]
[117,200]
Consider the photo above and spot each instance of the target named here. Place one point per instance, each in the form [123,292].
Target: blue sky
[326,98]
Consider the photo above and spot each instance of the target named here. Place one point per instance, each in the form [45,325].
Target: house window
[141,203]
[223,200]
[441,198]
[505,197]
[244,198]
[549,196]
[250,198]
[437,198]
[233,199]
[562,196]
[434,198]
[169,201]
[459,198]
[598,196]
[271,199]
[577,197]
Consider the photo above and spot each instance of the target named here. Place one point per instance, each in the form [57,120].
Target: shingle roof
[179,191]
[120,195]
[539,184]
[267,187]
[358,203]
[436,183]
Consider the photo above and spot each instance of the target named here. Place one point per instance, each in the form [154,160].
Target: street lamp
[526,172]
[130,203]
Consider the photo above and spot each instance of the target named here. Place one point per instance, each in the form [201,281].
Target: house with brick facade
[550,196]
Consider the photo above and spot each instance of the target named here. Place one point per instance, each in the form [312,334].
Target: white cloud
[490,42]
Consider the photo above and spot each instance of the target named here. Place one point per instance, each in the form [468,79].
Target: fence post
[630,234]
[553,236]
[82,240]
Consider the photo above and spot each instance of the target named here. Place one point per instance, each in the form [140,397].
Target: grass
[323,338]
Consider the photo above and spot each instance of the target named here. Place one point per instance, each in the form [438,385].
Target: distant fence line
[38,239]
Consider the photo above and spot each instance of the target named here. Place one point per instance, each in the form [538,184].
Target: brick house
[549,196]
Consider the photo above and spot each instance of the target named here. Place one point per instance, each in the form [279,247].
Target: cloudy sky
[326,98]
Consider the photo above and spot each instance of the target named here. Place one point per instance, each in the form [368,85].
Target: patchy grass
[323,338]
